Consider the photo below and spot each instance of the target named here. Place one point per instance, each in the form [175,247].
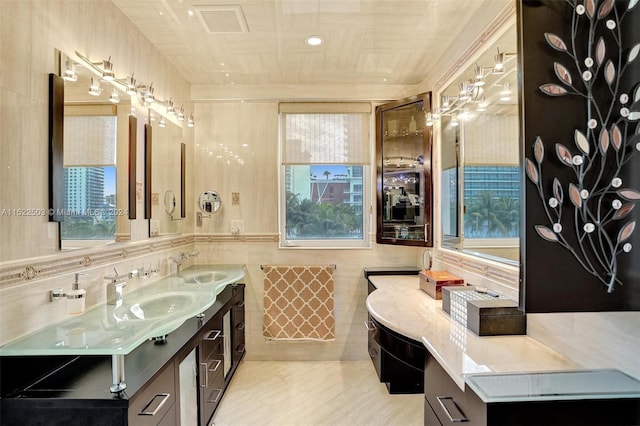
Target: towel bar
[333,265]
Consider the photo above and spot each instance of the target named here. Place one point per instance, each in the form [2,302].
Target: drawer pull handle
[205,375]
[451,409]
[214,401]
[370,326]
[164,397]
[373,353]
[218,362]
[240,304]
[240,348]
[240,326]
[214,333]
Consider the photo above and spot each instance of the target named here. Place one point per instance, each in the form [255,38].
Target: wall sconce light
[94,88]
[170,108]
[498,66]
[483,104]
[131,86]
[505,95]
[180,114]
[107,70]
[454,120]
[114,97]
[69,72]
[429,119]
[162,123]
[148,96]
[479,81]
[446,105]
[190,122]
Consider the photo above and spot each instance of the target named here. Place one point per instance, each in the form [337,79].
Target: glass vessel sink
[160,306]
[212,277]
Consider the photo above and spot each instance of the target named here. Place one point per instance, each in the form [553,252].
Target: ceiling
[365,41]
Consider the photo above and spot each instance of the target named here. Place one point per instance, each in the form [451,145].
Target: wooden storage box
[431,282]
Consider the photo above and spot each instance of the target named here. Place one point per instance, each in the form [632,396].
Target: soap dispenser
[76,298]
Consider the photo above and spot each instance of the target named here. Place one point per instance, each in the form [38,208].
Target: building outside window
[324,186]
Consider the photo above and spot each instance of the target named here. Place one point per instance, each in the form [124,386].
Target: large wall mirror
[167,175]
[480,173]
[95,178]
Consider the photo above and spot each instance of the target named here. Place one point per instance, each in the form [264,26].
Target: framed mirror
[166,170]
[94,179]
[480,172]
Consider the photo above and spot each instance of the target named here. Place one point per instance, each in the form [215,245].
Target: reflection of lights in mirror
[480,171]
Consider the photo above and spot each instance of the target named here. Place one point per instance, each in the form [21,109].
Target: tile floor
[297,393]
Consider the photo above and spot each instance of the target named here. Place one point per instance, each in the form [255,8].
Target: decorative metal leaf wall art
[601,202]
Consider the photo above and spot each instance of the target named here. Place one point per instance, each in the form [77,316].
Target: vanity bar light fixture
[162,122]
[104,70]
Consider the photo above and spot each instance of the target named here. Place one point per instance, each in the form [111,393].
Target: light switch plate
[237,226]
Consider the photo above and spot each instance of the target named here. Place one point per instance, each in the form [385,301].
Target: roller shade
[90,135]
[325,133]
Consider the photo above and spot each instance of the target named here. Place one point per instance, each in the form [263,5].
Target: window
[324,175]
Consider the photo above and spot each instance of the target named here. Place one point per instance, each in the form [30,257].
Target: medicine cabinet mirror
[404,185]
[167,175]
[480,172]
[93,205]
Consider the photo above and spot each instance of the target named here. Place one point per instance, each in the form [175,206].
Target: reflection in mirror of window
[89,196]
[480,156]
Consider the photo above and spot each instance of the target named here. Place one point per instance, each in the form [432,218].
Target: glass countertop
[150,311]
[555,385]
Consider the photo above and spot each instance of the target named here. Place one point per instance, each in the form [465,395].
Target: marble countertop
[399,304]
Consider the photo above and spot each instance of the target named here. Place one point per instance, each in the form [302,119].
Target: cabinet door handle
[373,353]
[159,405]
[204,383]
[451,409]
[218,362]
[240,326]
[215,333]
[240,304]
[240,348]
[370,326]
[213,401]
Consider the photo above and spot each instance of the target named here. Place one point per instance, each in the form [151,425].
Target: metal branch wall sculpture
[592,190]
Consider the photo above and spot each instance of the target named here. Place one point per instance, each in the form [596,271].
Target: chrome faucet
[115,288]
[179,259]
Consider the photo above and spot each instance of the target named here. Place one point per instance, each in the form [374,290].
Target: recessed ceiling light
[314,40]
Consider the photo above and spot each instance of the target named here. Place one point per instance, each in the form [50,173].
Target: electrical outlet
[237,226]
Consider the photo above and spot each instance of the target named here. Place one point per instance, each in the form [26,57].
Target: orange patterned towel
[298,303]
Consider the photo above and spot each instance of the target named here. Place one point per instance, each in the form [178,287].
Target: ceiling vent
[222,19]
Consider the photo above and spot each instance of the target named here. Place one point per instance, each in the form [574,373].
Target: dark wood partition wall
[579,244]
[133,149]
[183,170]
[148,138]
[56,147]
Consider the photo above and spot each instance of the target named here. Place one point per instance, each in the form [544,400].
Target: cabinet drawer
[430,418]
[451,404]
[155,401]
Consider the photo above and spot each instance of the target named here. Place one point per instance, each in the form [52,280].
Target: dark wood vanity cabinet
[447,404]
[403,162]
[182,378]
[398,360]
[222,347]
